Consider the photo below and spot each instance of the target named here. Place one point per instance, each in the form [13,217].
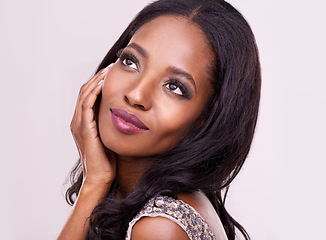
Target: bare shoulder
[159,228]
[203,206]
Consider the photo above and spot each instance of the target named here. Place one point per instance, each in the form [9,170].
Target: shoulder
[163,218]
[203,206]
[159,228]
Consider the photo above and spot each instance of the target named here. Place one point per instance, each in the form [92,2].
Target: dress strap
[177,211]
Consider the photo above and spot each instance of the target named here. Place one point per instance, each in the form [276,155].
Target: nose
[139,94]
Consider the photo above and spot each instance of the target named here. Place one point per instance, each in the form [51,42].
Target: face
[154,94]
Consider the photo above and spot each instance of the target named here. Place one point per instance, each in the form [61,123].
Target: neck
[129,172]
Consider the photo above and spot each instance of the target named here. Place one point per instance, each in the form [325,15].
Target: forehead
[176,41]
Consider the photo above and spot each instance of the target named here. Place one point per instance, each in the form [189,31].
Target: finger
[77,116]
[88,103]
[87,88]
[97,77]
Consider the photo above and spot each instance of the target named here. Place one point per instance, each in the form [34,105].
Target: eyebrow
[183,73]
[139,49]
[174,70]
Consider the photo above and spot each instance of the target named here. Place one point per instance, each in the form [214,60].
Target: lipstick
[126,122]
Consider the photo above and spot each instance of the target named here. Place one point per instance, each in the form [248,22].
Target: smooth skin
[165,48]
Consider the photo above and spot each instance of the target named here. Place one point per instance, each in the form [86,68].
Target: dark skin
[145,92]
[159,79]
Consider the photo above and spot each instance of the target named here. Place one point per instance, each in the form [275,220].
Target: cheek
[176,120]
[112,85]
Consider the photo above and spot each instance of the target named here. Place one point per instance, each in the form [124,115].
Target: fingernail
[107,68]
[104,70]
[100,82]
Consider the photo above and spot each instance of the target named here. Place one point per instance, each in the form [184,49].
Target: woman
[165,125]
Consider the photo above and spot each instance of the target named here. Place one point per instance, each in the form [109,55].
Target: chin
[123,149]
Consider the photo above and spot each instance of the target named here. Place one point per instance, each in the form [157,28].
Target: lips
[126,122]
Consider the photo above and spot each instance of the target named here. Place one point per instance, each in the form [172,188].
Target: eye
[174,88]
[129,63]
[177,88]
[129,60]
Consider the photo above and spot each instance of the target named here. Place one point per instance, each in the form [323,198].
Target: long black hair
[210,157]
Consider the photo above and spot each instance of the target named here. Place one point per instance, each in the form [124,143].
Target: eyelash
[185,92]
[126,55]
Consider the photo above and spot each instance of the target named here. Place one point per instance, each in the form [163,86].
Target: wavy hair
[210,157]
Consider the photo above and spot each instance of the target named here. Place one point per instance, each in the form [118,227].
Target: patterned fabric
[179,212]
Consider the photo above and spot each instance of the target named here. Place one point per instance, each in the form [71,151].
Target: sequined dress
[179,212]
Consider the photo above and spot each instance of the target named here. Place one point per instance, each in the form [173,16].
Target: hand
[99,164]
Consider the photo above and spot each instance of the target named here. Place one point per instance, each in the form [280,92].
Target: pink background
[49,48]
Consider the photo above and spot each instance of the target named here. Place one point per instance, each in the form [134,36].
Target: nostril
[141,107]
[135,105]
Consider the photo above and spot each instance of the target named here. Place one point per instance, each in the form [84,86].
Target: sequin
[179,212]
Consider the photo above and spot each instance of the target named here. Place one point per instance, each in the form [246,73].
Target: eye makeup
[127,58]
[173,84]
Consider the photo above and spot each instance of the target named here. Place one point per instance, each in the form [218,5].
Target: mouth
[126,122]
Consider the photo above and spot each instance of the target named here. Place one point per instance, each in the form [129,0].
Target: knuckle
[80,92]
[83,95]
[83,87]
[94,90]
[72,128]
[85,105]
